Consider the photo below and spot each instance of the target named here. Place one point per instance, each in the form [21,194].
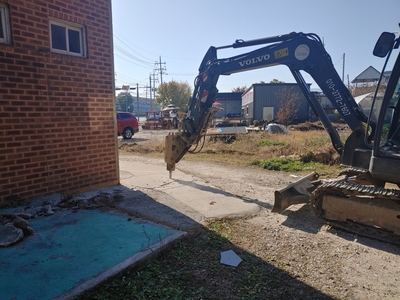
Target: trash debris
[14,225]
[276,128]
[9,235]
[230,258]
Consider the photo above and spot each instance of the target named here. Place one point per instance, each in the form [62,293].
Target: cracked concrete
[185,194]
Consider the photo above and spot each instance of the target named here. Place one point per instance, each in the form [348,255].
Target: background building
[261,101]
[231,104]
[368,77]
[137,106]
[57,125]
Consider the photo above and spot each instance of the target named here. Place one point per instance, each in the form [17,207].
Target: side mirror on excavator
[384,44]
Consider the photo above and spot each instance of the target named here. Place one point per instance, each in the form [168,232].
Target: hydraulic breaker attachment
[175,149]
[295,193]
[176,145]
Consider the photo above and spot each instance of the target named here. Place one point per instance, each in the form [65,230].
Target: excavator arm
[299,52]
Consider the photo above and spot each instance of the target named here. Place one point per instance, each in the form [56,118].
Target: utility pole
[153,81]
[343,67]
[137,96]
[150,85]
[161,69]
[151,89]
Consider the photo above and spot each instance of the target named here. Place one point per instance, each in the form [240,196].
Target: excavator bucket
[295,193]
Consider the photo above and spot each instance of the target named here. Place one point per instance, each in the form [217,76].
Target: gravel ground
[332,261]
[335,262]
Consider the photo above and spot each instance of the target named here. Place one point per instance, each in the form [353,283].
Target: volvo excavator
[365,197]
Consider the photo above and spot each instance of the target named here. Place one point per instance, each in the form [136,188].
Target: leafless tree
[276,81]
[239,89]
[289,104]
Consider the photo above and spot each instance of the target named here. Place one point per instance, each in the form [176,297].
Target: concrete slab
[76,249]
[72,251]
[186,190]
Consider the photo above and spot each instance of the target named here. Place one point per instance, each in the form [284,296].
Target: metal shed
[369,76]
[231,104]
[261,102]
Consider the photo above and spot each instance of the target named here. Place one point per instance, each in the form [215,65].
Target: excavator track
[360,176]
[366,231]
[351,171]
[346,189]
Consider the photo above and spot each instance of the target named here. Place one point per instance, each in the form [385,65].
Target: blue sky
[181,31]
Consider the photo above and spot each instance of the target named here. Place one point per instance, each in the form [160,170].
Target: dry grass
[254,146]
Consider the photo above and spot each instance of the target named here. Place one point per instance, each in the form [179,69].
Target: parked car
[127,125]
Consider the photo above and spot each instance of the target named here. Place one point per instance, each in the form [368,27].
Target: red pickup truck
[128,125]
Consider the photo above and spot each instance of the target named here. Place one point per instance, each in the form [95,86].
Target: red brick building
[57,112]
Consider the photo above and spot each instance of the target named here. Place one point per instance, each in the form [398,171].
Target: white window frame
[72,26]
[5,19]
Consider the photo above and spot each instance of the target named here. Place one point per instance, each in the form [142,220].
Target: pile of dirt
[308,126]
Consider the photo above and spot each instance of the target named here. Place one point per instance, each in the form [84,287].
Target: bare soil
[332,261]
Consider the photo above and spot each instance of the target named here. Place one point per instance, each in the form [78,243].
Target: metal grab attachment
[295,193]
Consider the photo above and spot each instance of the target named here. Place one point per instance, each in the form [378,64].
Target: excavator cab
[385,159]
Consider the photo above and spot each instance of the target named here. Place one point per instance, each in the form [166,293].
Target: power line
[133,49]
[126,78]
[123,51]
[131,62]
[181,58]
[179,74]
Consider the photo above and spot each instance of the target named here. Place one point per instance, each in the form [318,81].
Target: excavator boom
[299,52]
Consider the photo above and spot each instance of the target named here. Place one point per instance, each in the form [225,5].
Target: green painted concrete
[69,248]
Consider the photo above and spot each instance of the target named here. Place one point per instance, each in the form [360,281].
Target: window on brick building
[67,38]
[5,36]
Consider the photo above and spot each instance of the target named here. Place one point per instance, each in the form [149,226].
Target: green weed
[269,143]
[285,164]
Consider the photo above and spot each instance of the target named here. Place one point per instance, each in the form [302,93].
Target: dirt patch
[332,261]
[308,126]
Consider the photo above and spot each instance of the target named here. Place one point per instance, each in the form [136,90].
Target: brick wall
[57,111]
